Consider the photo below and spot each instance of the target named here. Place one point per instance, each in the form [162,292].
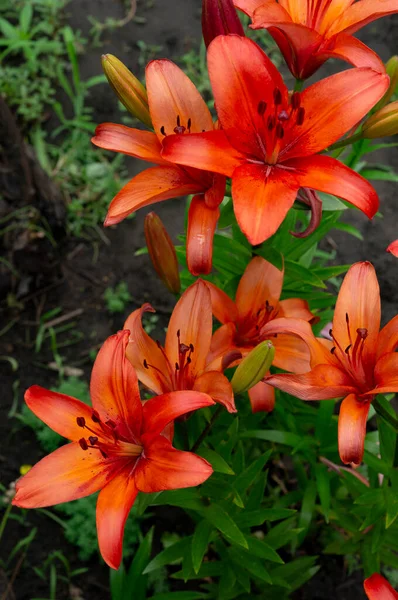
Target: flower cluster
[271,142]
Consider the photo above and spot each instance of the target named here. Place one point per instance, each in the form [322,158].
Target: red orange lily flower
[359,362]
[269,139]
[308,32]
[176,108]
[116,446]
[378,588]
[257,302]
[184,362]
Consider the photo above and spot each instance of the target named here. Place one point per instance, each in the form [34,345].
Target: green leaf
[370,498]
[136,583]
[227,216]
[200,541]
[243,481]
[380,174]
[351,229]
[392,506]
[178,596]
[323,487]
[25,17]
[8,30]
[280,437]
[262,550]
[328,272]
[250,563]
[116,581]
[256,518]
[294,270]
[217,462]
[189,499]
[169,555]
[331,203]
[224,523]
[307,509]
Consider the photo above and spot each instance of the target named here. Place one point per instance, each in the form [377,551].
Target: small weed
[117,298]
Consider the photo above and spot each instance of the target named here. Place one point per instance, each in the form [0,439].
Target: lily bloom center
[249,328]
[179,129]
[276,121]
[351,357]
[106,439]
[179,376]
[317,15]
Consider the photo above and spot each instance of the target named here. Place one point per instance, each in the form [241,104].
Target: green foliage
[117,298]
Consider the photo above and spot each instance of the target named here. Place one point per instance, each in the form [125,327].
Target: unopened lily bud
[383,123]
[219,17]
[253,367]
[162,252]
[127,87]
[391,70]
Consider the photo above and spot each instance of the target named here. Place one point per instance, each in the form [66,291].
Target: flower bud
[383,123]
[162,252]
[219,17]
[127,87]
[253,367]
[392,71]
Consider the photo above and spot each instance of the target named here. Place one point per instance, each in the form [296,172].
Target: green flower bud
[253,367]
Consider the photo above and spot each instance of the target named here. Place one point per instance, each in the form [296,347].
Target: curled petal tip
[393,248]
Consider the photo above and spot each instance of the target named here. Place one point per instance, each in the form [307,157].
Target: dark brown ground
[176,26]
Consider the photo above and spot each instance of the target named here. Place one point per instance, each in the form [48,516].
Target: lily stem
[298,86]
[384,414]
[208,427]
[346,142]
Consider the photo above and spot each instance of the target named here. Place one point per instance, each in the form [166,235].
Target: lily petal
[133,142]
[210,151]
[378,588]
[66,474]
[248,6]
[150,186]
[202,223]
[352,429]
[352,50]
[388,338]
[291,354]
[260,282]
[324,382]
[359,298]
[191,323]
[172,96]
[261,200]
[113,506]
[296,308]
[357,16]
[386,374]
[222,346]
[332,107]
[59,411]
[114,386]
[224,309]
[329,175]
[141,347]
[242,77]
[262,397]
[165,468]
[159,411]
[217,386]
[320,354]
[393,248]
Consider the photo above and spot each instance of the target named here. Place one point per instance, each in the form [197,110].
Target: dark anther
[331,332]
[261,108]
[296,101]
[189,124]
[93,440]
[178,333]
[95,417]
[180,128]
[104,455]
[110,423]
[178,121]
[81,421]
[277,96]
[270,122]
[189,360]
[283,115]
[268,307]
[348,349]
[83,444]
[191,347]
[300,116]
[177,366]
[184,348]
[145,364]
[162,130]
[362,332]
[332,350]
[280,132]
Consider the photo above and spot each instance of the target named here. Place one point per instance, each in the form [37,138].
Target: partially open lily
[357,363]
[116,446]
[270,139]
[257,302]
[309,32]
[176,108]
[378,588]
[184,363]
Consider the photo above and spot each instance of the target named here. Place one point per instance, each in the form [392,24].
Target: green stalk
[346,142]
[208,427]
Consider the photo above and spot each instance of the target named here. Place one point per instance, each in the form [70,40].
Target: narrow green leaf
[294,270]
[178,596]
[323,487]
[243,481]
[256,518]
[280,437]
[217,462]
[224,523]
[200,541]
[116,581]
[392,506]
[136,582]
[169,555]
[307,509]
[250,563]
[370,498]
[25,17]
[261,549]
